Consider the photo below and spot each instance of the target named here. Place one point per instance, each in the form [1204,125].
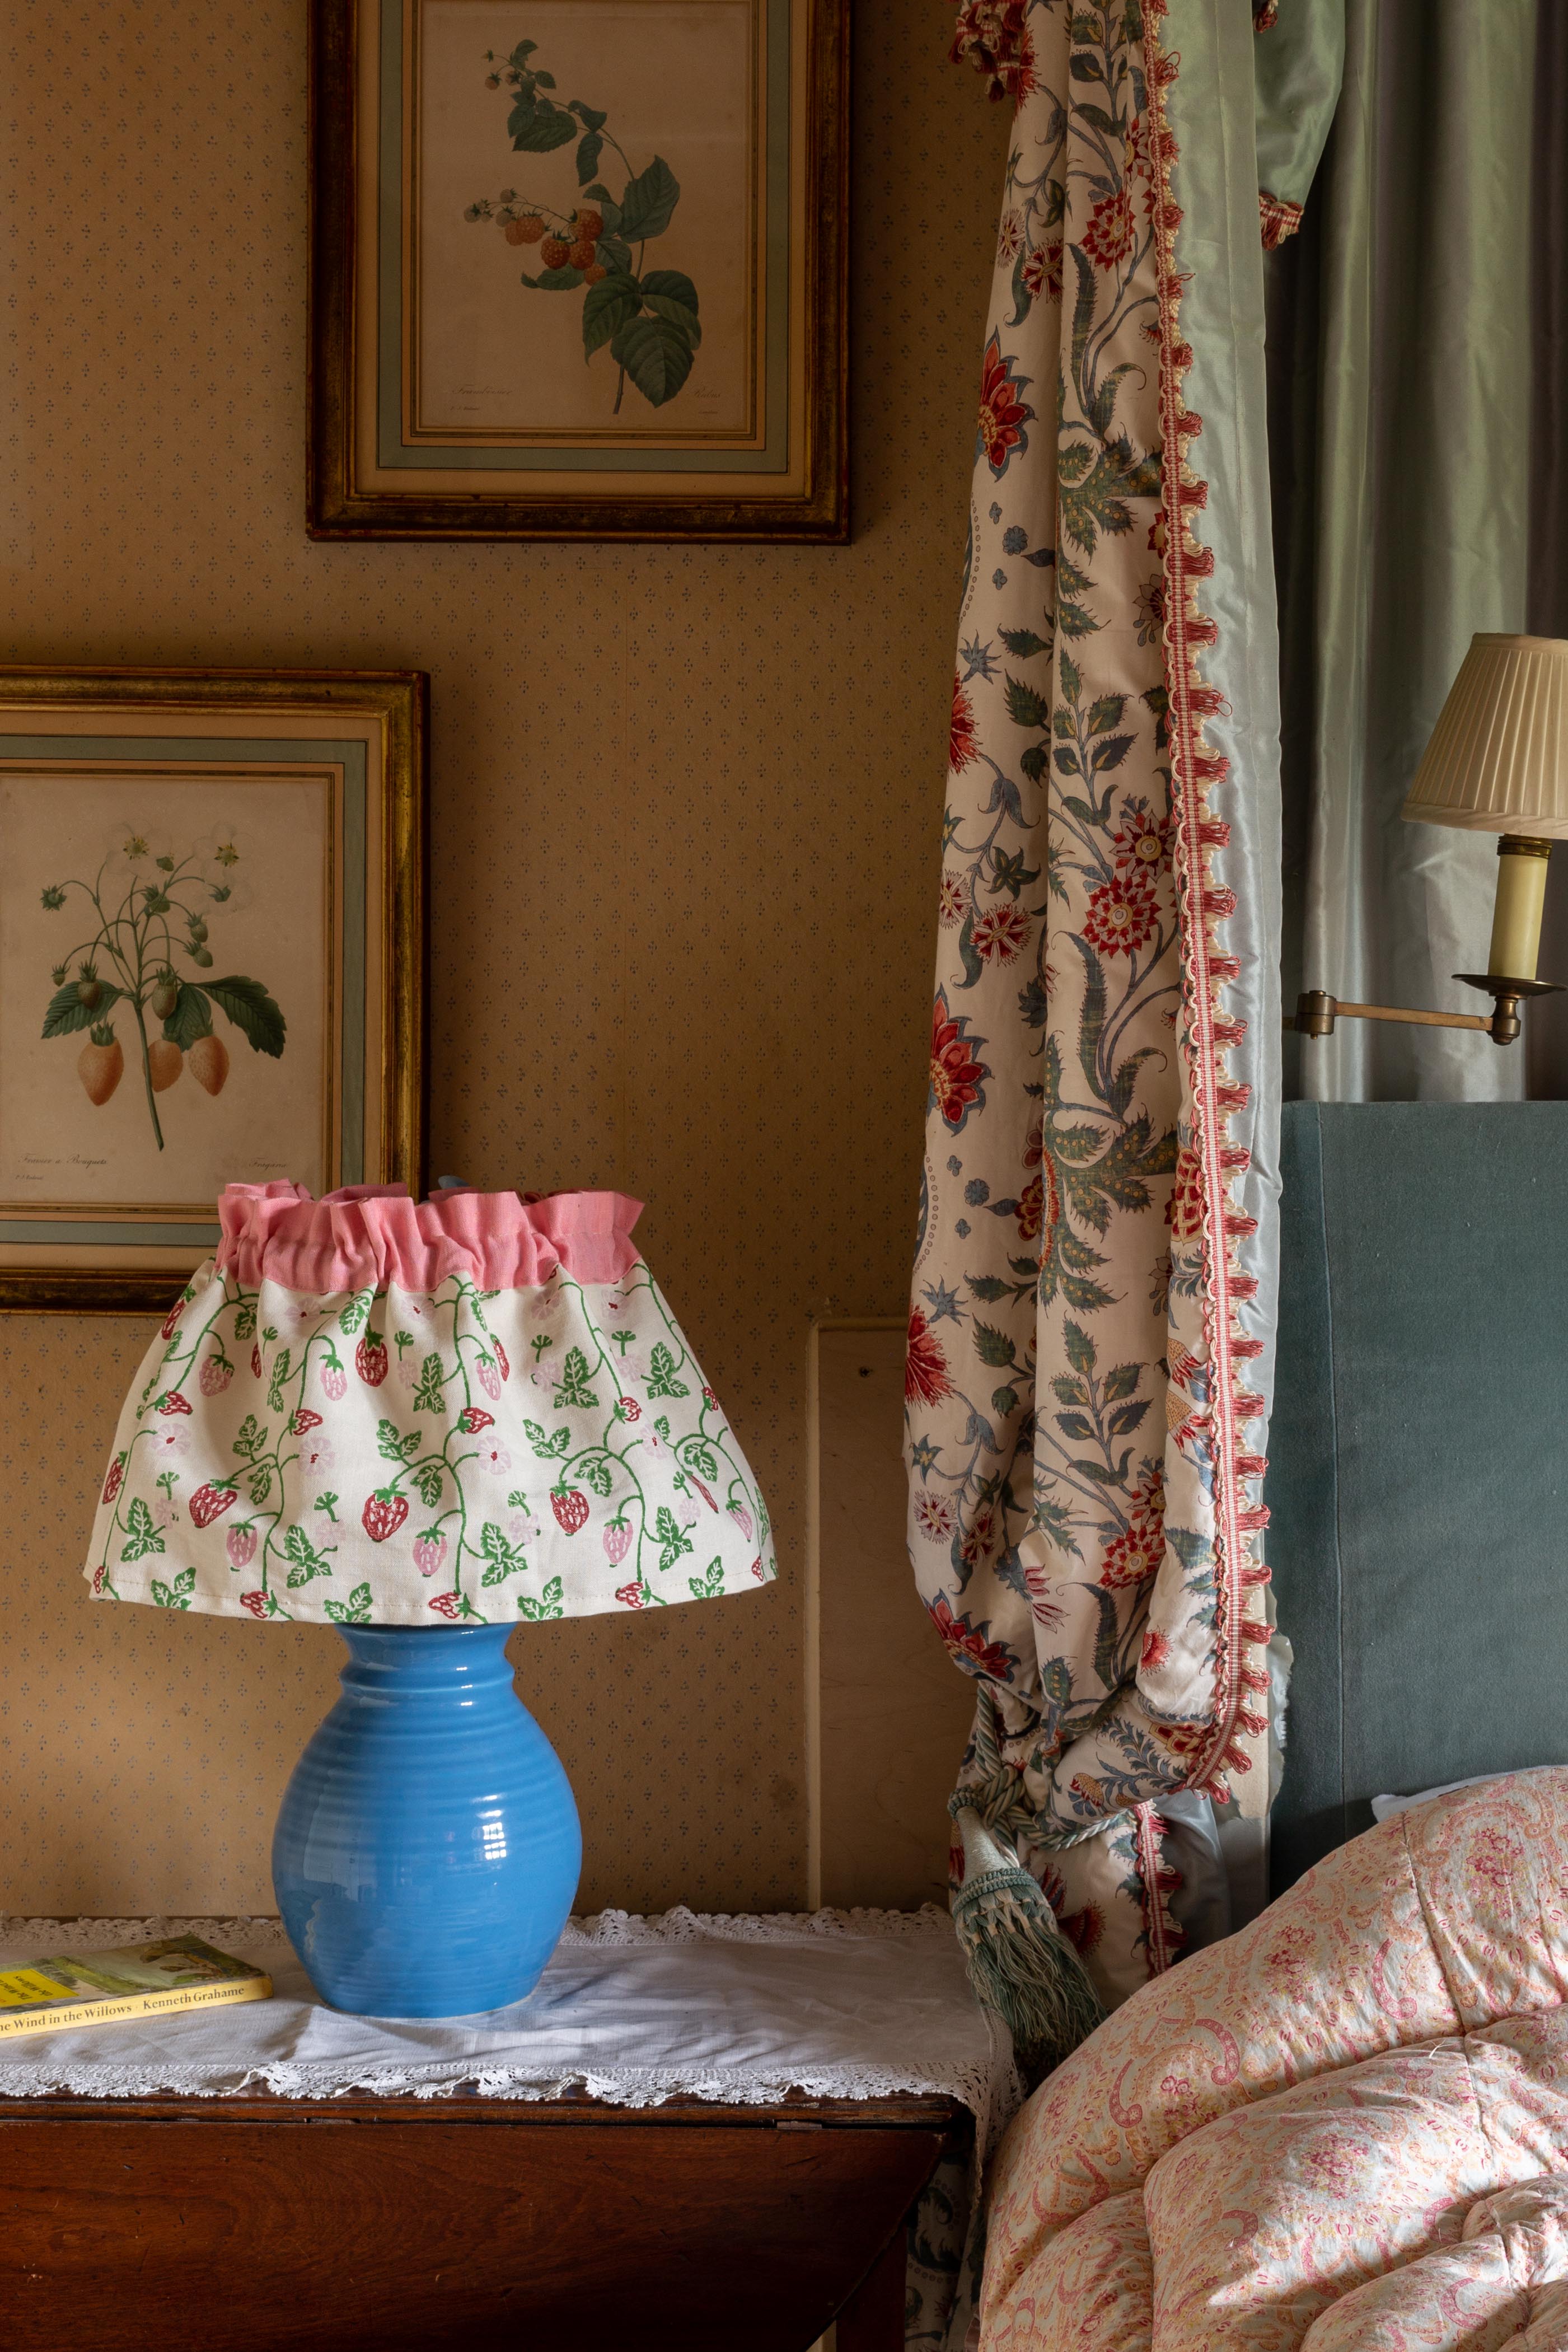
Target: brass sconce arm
[1317,1011]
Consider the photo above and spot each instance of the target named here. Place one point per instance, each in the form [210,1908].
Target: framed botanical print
[578,270]
[211,960]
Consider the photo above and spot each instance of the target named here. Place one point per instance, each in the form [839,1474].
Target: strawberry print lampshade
[369,1411]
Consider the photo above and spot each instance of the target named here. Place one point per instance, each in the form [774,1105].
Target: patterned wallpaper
[685,851]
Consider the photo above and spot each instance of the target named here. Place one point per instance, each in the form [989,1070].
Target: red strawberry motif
[708,1397]
[216,1374]
[209,1503]
[632,1596]
[304,1418]
[473,1419]
[446,1604]
[100,1575]
[702,1491]
[501,1360]
[383,1514]
[628,1408]
[371,1360]
[256,1361]
[489,1378]
[169,1324]
[757,1571]
[241,1543]
[569,1504]
[617,1539]
[256,1602]
[173,1401]
[115,1479]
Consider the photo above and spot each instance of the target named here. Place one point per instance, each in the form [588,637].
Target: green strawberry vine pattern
[649,318]
[423,1465]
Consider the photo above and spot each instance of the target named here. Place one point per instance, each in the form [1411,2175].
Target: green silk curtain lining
[1297,64]
[1409,518]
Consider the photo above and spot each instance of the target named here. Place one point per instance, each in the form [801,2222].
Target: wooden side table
[253,2223]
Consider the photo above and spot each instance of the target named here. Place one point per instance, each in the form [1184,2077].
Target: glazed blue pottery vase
[427,1849]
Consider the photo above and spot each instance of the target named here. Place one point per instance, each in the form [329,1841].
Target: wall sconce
[1496,762]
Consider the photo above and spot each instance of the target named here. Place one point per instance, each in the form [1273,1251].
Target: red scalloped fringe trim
[1210,1030]
[1278,219]
[1165,1939]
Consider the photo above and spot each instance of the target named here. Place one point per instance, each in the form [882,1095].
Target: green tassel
[1020,1963]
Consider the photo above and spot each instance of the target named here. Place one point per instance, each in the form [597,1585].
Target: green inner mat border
[772,458]
[193,750]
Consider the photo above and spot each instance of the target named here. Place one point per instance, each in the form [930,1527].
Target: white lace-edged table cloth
[740,2010]
[838,2005]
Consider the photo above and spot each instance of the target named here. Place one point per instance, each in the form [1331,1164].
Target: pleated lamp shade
[1498,758]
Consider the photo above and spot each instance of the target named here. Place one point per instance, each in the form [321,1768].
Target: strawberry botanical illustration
[136,903]
[240,1545]
[371,1360]
[135,906]
[648,317]
[101,1064]
[473,1419]
[334,1379]
[209,1060]
[216,1374]
[617,1538]
[113,1483]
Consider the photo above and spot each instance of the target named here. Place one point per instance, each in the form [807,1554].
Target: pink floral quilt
[1347,2125]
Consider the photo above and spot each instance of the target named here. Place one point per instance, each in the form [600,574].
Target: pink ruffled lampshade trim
[368,1236]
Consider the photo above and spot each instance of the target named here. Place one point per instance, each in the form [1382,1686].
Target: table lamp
[423,1424]
[1496,762]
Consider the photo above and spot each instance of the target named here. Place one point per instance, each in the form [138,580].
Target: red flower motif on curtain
[1000,935]
[967,1644]
[1003,415]
[1121,916]
[957,1080]
[1042,270]
[961,730]
[994,34]
[1109,236]
[926,1380]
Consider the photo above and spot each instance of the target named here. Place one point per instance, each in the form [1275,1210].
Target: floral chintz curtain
[1082,1418]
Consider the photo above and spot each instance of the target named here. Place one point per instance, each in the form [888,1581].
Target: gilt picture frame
[212,959]
[578,270]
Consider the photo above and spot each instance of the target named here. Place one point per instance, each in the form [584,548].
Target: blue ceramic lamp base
[427,1849]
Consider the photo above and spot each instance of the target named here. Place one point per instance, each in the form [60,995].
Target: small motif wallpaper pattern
[684,805]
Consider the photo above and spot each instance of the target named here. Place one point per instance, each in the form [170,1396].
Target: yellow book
[156,1979]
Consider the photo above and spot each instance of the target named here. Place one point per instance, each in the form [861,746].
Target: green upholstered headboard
[1418,1454]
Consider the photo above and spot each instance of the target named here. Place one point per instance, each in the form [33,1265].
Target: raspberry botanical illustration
[648,317]
[145,910]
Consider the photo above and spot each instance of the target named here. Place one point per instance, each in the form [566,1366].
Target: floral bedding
[1345,2127]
